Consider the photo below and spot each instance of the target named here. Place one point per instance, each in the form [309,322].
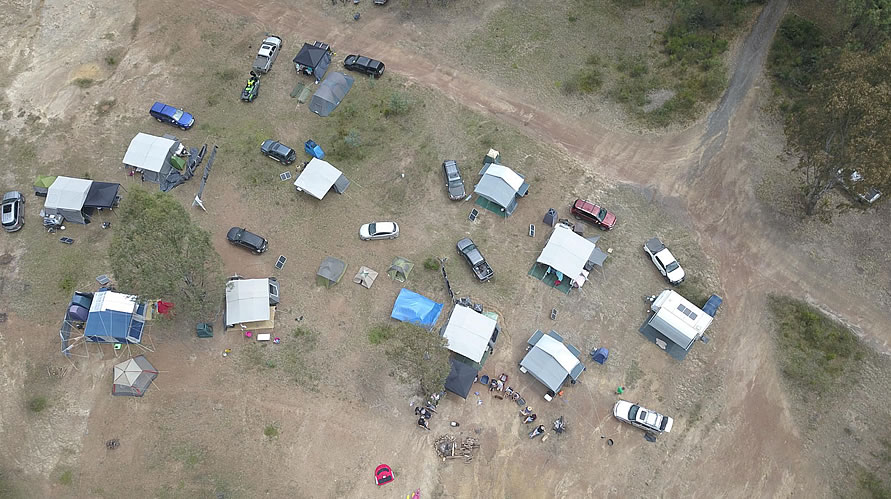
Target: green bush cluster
[814,350]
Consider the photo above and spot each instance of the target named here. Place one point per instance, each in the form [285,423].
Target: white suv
[664,261]
[640,417]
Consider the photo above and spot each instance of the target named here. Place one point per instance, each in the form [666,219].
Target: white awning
[317,178]
[568,253]
[148,152]
[468,333]
[67,193]
[247,300]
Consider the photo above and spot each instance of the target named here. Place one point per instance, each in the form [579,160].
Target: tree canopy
[418,356]
[844,125]
[158,253]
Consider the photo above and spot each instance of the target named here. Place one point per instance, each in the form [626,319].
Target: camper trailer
[678,319]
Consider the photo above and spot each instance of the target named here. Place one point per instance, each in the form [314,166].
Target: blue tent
[313,149]
[600,355]
[115,318]
[416,309]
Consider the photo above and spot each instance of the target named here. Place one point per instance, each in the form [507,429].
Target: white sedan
[379,230]
[640,417]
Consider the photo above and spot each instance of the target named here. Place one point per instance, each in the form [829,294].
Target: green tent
[400,269]
[42,184]
[330,271]
[178,162]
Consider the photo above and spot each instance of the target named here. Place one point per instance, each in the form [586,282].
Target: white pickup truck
[269,50]
[664,261]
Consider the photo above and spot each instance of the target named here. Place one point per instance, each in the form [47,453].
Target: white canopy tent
[468,333]
[569,253]
[247,301]
[318,177]
[66,197]
[149,154]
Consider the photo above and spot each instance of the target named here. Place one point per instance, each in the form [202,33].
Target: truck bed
[483,271]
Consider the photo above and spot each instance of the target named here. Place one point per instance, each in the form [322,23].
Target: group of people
[424,413]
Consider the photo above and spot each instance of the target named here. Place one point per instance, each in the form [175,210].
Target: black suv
[362,64]
[278,151]
[242,237]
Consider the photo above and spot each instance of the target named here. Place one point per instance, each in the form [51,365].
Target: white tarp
[148,152]
[509,176]
[468,333]
[67,193]
[559,352]
[317,178]
[247,300]
[113,302]
[568,253]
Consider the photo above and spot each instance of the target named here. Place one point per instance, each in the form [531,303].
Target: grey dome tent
[330,93]
[133,377]
[330,271]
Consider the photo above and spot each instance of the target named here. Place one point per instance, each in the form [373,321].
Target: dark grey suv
[278,151]
[13,211]
[453,179]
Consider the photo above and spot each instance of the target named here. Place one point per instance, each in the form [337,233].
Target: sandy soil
[199,433]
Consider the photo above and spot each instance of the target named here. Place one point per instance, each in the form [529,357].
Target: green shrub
[815,351]
[431,263]
[585,81]
[270,431]
[83,82]
[398,105]
[37,404]
[798,53]
[67,478]
[379,334]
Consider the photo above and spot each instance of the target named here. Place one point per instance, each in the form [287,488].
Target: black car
[362,64]
[242,237]
[278,151]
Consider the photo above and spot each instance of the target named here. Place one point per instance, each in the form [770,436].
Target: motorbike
[537,431]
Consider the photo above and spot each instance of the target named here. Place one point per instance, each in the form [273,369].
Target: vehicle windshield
[601,214]
[7,208]
[178,114]
[372,228]
[632,413]
[671,267]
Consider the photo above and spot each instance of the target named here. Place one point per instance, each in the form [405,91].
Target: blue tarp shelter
[416,309]
[115,318]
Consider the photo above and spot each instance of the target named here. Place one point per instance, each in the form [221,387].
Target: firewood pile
[449,447]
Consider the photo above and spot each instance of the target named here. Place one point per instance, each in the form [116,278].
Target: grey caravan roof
[550,360]
[501,185]
[330,93]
